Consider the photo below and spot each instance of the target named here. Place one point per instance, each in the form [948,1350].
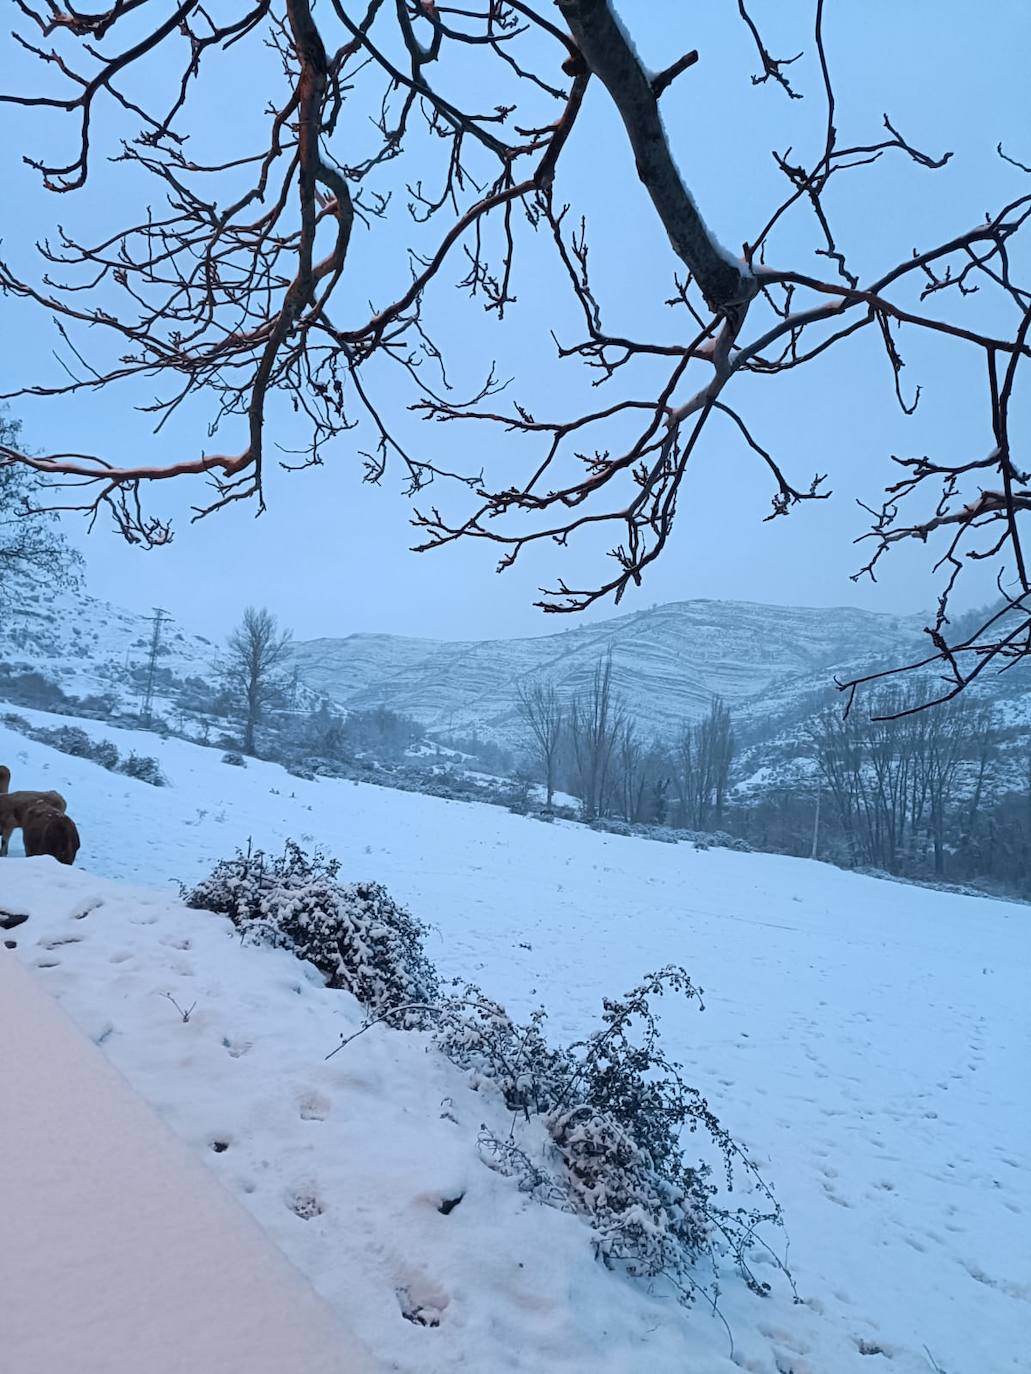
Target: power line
[160,617]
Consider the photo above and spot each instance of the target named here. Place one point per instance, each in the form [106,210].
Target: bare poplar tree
[541,712]
[643,777]
[241,287]
[255,652]
[630,771]
[702,758]
[597,720]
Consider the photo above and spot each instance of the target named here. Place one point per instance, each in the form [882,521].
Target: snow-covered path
[867,1040]
[119,1251]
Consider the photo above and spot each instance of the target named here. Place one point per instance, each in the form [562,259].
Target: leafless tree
[898,780]
[255,652]
[541,712]
[702,759]
[643,777]
[242,281]
[597,722]
[983,738]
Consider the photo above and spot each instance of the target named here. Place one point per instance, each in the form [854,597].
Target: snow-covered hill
[866,1040]
[90,647]
[772,665]
[668,662]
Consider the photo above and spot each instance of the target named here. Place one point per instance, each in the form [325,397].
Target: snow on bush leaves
[598,1126]
[614,1111]
[70,739]
[355,934]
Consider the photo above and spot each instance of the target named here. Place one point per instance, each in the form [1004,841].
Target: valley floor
[868,1042]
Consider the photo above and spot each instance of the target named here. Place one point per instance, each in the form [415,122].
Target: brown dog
[5,779]
[13,807]
[46,830]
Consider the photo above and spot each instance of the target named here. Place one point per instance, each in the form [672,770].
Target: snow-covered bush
[235,759]
[144,768]
[614,1110]
[355,934]
[599,1126]
[71,739]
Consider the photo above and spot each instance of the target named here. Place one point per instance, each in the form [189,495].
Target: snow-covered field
[868,1042]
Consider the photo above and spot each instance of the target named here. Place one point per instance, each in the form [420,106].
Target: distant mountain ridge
[772,665]
[667,662]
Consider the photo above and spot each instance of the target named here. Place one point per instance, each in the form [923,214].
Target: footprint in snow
[832,1196]
[421,1301]
[314,1107]
[1021,1291]
[305,1205]
[785,1338]
[81,912]
[866,1347]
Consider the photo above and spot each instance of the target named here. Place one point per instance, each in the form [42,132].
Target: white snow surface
[120,1252]
[868,1041]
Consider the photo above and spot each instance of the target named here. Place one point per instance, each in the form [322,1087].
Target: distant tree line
[942,794]
[591,748]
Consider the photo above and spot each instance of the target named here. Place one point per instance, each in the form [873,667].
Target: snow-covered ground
[868,1042]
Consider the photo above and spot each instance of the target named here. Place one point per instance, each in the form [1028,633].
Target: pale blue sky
[330,555]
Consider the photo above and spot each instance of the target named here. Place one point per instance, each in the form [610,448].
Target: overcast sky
[330,556]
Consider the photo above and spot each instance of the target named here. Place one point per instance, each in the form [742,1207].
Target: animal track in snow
[314,1107]
[866,1347]
[305,1205]
[85,908]
[422,1302]
[832,1196]
[785,1338]
[93,904]
[1012,1290]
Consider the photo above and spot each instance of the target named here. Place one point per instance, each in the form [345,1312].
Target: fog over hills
[668,663]
[770,664]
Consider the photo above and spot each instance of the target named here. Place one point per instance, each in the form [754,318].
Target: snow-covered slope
[866,1040]
[90,647]
[771,664]
[668,662]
